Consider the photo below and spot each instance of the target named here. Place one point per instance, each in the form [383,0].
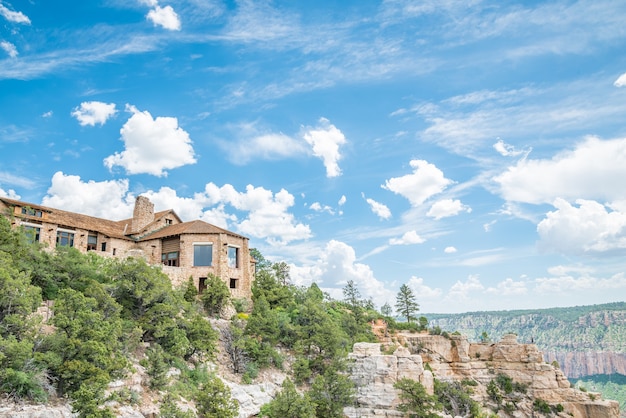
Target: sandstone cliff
[584,340]
[424,357]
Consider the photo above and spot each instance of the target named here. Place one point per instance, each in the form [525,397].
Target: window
[32,232]
[233,257]
[65,238]
[168,221]
[202,254]
[233,283]
[92,242]
[170,259]
[103,247]
[32,212]
[201,285]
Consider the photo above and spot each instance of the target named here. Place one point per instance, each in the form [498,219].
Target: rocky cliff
[424,357]
[584,340]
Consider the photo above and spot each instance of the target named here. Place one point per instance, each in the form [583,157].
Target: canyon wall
[424,357]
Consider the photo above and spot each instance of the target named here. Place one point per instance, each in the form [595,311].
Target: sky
[474,150]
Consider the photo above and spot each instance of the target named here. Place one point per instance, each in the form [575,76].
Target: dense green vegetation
[104,311]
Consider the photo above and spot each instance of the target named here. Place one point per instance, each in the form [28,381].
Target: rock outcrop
[455,359]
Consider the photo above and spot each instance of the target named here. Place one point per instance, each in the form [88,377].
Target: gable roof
[120,229]
[191,227]
[73,220]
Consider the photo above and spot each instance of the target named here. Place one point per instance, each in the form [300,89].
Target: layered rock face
[455,359]
[579,364]
[584,341]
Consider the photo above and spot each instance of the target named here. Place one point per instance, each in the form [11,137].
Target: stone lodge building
[184,249]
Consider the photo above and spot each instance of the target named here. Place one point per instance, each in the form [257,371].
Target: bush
[288,403]
[215,296]
[542,406]
[214,401]
[22,385]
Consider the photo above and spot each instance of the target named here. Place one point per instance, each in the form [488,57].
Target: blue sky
[474,150]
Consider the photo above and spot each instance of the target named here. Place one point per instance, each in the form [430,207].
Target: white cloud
[561,270]
[508,287]
[323,141]
[10,178]
[425,181]
[105,199]
[507,150]
[152,145]
[481,260]
[566,284]
[267,212]
[422,291]
[15,17]
[317,207]
[326,141]
[9,48]
[621,81]
[461,291]
[447,207]
[589,228]
[450,250]
[336,266]
[342,200]
[91,113]
[588,171]
[410,237]
[379,209]
[47,114]
[11,194]
[488,225]
[165,17]
[252,145]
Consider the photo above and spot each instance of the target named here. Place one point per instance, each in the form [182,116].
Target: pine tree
[406,304]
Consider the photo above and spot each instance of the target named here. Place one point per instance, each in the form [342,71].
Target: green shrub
[213,400]
[23,385]
[542,406]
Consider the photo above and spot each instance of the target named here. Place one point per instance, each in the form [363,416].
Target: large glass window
[202,255]
[65,238]
[233,257]
[32,232]
[92,242]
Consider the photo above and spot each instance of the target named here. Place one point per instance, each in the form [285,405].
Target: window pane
[202,255]
[32,233]
[233,253]
[65,239]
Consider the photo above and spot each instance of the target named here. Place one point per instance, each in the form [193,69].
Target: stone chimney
[143,214]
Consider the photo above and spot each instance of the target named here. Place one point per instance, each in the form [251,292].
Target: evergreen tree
[215,296]
[288,403]
[331,392]
[415,400]
[406,305]
[352,296]
[214,400]
[386,309]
